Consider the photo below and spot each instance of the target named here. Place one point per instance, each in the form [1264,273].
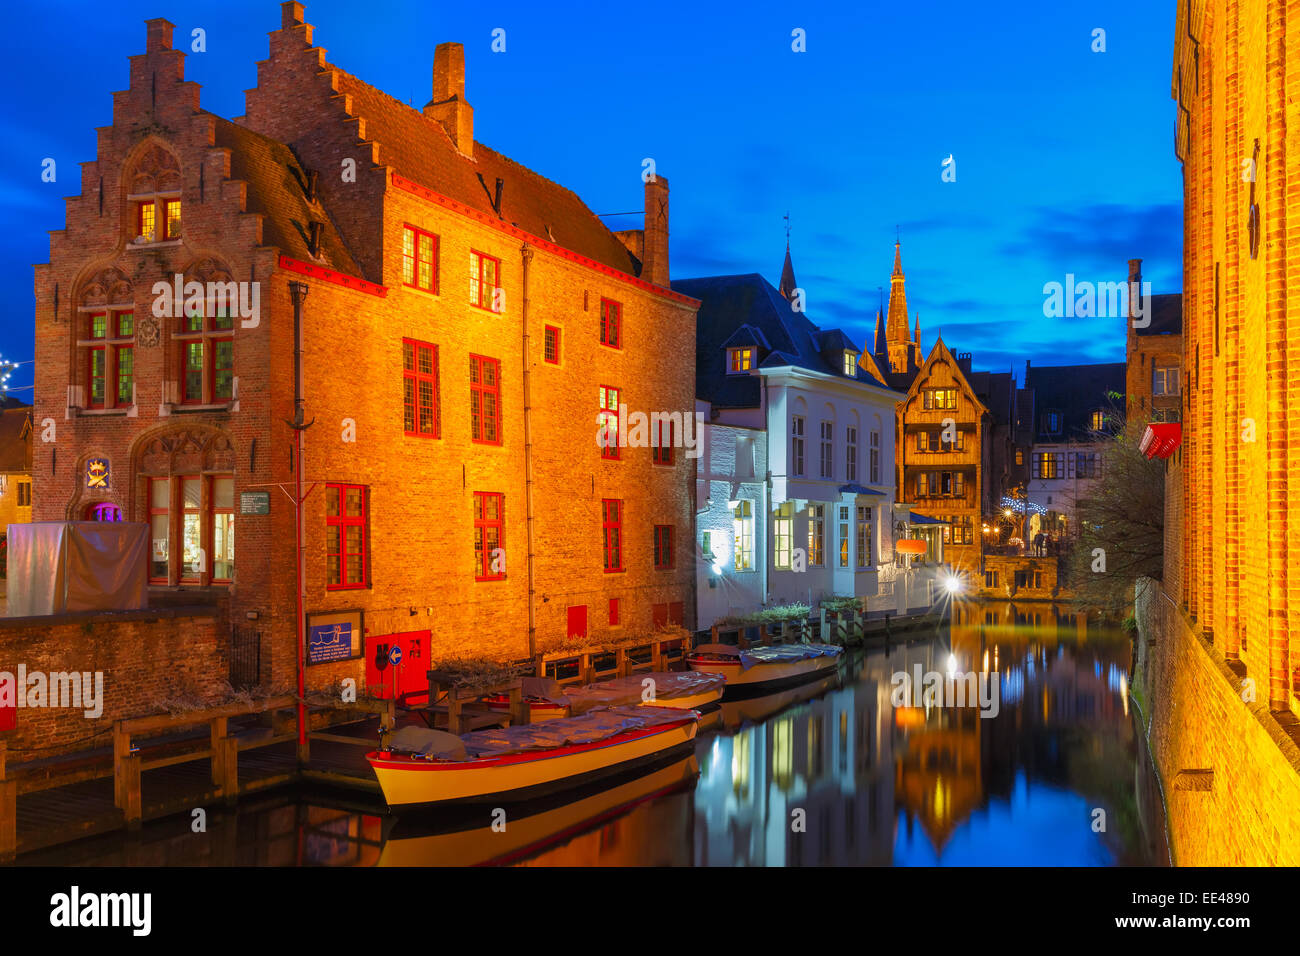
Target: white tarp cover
[57,567]
[628,690]
[567,731]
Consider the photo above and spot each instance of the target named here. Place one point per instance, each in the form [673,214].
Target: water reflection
[823,774]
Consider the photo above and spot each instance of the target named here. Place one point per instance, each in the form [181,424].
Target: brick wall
[145,657]
[1006,567]
[1243,813]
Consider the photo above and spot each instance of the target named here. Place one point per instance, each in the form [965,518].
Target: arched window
[105,335]
[104,511]
[154,197]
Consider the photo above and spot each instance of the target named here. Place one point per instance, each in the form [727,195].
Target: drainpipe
[526,255]
[298,292]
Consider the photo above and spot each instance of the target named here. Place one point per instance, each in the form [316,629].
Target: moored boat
[764,667]
[547,700]
[424,767]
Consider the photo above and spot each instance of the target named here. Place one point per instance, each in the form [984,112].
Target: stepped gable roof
[277,188]
[1166,315]
[15,440]
[731,302]
[418,148]
[1076,391]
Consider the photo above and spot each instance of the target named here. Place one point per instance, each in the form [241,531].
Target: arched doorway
[103,511]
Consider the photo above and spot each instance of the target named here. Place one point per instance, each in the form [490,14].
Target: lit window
[484,274]
[851,364]
[192,535]
[1097,420]
[419,256]
[489,536]
[740,361]
[782,536]
[864,536]
[145,221]
[743,530]
[816,534]
[941,398]
[844,536]
[172,209]
[608,415]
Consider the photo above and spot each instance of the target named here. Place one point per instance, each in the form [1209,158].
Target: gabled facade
[1154,357]
[942,456]
[795,487]
[15,472]
[464,321]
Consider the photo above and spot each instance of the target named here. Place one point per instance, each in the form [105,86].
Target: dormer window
[1052,422]
[1097,420]
[740,361]
[851,364]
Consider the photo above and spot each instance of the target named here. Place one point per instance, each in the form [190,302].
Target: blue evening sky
[1064,156]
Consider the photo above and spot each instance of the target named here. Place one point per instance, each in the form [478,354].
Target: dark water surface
[826,773]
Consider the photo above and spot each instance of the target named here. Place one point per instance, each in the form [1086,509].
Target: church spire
[788,284]
[896,331]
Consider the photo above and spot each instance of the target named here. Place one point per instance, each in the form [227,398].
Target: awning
[914,518]
[1161,439]
[852,489]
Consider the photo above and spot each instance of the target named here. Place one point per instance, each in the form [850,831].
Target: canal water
[828,773]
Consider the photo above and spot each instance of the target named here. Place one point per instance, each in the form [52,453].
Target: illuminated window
[419,259]
[608,413]
[783,537]
[485,400]
[172,210]
[816,535]
[489,536]
[743,534]
[484,276]
[611,323]
[145,221]
[864,536]
[740,360]
[1020,456]
[1097,420]
[421,409]
[611,512]
[941,398]
[851,364]
[844,536]
[222,530]
[346,530]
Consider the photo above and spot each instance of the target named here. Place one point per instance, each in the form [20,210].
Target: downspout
[298,292]
[526,255]
[768,521]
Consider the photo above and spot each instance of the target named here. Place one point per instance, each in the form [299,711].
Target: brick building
[464,321]
[1153,353]
[15,471]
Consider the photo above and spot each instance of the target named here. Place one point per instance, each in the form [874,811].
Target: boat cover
[566,731]
[622,691]
[427,743]
[773,654]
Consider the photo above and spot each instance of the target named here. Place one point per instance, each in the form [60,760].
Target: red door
[407,677]
[578,620]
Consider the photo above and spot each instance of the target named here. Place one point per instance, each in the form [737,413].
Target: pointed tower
[787,286]
[901,346]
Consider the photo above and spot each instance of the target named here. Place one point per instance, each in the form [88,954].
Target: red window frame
[662,452]
[154,510]
[119,379]
[663,547]
[610,395]
[478,279]
[100,352]
[213,511]
[414,261]
[611,524]
[414,421]
[613,612]
[343,521]
[482,525]
[187,574]
[479,394]
[611,323]
[551,345]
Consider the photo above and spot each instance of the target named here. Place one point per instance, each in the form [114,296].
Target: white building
[795,481]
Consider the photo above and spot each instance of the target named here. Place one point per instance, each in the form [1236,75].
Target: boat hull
[412,783]
[767,675]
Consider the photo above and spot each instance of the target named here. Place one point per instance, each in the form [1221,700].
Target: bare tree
[1122,527]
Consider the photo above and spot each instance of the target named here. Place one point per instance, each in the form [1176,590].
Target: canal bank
[1230,767]
[825,773]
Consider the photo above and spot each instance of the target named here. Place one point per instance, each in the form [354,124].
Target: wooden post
[304,736]
[8,809]
[454,705]
[230,769]
[588,668]
[388,717]
[519,709]
[217,727]
[822,634]
[121,747]
[129,770]
[762,635]
[657,655]
[621,665]
[713,634]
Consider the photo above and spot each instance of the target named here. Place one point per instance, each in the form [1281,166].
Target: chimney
[654,268]
[291,15]
[314,231]
[448,105]
[1134,276]
[158,35]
